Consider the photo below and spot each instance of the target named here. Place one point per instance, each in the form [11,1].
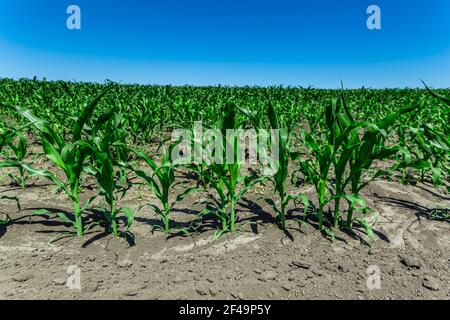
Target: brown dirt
[258,262]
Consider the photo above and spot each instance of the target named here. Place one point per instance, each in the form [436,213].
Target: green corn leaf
[5,220]
[86,114]
[150,181]
[357,202]
[44,173]
[129,215]
[271,203]
[273,117]
[65,218]
[10,164]
[186,193]
[368,229]
[437,95]
[156,209]
[87,203]
[52,153]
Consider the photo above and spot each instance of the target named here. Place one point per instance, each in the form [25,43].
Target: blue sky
[229,42]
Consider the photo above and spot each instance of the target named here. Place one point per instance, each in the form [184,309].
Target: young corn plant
[103,169]
[280,178]
[347,149]
[6,140]
[161,181]
[434,146]
[322,152]
[372,146]
[117,135]
[7,137]
[17,155]
[316,168]
[281,165]
[226,177]
[4,217]
[70,157]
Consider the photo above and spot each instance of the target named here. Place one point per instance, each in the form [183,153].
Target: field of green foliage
[335,140]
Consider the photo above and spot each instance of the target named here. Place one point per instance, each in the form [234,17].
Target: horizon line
[217,85]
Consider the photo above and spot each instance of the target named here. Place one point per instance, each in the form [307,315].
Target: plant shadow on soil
[433,193]
[2,230]
[298,215]
[257,216]
[437,214]
[96,218]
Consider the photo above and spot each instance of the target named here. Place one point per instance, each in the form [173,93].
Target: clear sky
[229,42]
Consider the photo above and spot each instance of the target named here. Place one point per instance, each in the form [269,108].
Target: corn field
[118,136]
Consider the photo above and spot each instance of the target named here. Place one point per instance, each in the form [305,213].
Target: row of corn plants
[334,148]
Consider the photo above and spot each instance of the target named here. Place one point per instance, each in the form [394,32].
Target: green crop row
[333,140]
